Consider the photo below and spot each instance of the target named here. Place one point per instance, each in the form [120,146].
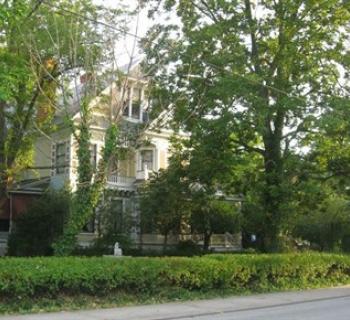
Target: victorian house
[146,140]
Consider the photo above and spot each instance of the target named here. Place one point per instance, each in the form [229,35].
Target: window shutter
[53,159]
[67,146]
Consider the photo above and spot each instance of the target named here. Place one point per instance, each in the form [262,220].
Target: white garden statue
[117,250]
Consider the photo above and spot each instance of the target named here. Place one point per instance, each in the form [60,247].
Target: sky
[125,46]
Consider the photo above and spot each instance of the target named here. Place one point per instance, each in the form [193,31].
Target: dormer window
[132,105]
[126,103]
[136,104]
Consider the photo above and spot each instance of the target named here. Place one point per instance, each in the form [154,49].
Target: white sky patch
[139,25]
[124,47]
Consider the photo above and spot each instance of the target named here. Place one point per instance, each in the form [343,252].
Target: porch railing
[118,180]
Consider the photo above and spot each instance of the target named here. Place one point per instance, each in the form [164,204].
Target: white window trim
[154,159]
[130,101]
[129,117]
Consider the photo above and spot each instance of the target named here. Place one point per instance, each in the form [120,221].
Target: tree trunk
[3,175]
[3,196]
[273,193]
[206,240]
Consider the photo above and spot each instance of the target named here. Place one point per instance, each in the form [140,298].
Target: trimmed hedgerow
[50,277]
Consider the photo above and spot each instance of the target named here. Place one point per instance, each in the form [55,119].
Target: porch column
[130,101]
[141,102]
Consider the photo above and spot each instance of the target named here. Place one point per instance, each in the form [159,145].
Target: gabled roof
[77,85]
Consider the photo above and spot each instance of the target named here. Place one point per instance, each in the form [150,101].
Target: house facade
[147,144]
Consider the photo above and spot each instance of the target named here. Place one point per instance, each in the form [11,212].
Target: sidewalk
[182,310]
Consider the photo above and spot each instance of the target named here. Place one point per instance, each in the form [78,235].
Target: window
[126,108]
[90,226]
[145,116]
[126,103]
[60,161]
[116,221]
[136,105]
[93,156]
[132,103]
[146,159]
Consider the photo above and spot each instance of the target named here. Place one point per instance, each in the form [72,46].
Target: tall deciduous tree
[270,65]
[39,43]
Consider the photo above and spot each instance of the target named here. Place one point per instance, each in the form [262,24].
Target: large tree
[271,65]
[41,44]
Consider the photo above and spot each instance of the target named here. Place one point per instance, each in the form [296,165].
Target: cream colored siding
[41,158]
[132,165]
[126,168]
[123,168]
[97,135]
[162,159]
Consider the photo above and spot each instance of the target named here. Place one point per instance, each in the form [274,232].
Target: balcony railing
[120,181]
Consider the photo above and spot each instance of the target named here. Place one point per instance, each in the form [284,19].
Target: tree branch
[248,147]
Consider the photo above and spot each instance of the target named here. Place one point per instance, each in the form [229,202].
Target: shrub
[328,226]
[50,277]
[35,230]
[187,248]
[210,216]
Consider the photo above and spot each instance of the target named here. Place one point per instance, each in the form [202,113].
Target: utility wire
[212,65]
[219,68]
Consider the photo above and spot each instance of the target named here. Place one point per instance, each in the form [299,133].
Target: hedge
[51,276]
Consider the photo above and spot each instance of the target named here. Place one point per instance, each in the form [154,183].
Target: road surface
[322,304]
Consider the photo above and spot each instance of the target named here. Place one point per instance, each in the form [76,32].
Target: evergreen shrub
[52,276]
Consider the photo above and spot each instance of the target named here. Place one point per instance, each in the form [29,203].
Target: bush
[188,248]
[328,226]
[211,216]
[50,277]
[35,230]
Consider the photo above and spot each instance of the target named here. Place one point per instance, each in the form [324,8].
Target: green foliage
[115,222]
[327,225]
[186,248]
[49,278]
[330,153]
[210,216]
[253,69]
[90,184]
[184,197]
[38,46]
[35,230]
[164,203]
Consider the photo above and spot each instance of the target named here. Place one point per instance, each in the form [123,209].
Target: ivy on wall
[90,185]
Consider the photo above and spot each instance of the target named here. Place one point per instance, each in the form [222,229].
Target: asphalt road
[338,309]
[323,304]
